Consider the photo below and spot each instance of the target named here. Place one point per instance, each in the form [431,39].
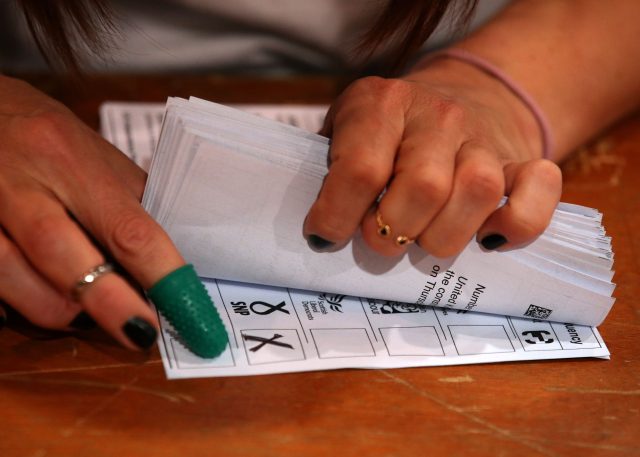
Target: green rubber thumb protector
[183,300]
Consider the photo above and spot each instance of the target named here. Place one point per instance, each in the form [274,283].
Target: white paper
[232,190]
[278,330]
[331,332]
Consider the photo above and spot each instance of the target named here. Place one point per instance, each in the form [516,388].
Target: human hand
[447,142]
[61,184]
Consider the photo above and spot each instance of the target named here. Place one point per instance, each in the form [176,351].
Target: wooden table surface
[82,395]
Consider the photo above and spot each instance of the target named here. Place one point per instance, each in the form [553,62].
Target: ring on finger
[384,230]
[90,277]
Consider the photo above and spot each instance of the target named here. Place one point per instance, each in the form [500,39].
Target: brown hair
[406,25]
[64,29]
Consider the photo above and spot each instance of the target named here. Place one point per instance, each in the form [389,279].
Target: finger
[128,233]
[420,187]
[102,194]
[366,135]
[59,250]
[29,294]
[146,252]
[478,186]
[534,189]
[133,177]
[106,203]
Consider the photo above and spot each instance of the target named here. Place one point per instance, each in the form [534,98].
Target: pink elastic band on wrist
[489,68]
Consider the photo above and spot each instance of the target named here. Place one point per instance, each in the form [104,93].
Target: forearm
[578,59]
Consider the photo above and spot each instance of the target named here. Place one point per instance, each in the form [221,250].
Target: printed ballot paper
[232,189]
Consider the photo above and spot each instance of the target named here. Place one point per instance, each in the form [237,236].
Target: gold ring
[384,230]
[89,277]
[404,240]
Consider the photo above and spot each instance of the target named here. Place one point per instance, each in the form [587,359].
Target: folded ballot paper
[232,190]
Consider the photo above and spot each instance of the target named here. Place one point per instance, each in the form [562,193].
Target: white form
[232,190]
[276,330]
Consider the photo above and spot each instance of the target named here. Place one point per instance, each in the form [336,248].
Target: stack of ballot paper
[284,329]
[232,190]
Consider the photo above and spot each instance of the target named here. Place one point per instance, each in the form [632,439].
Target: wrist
[489,86]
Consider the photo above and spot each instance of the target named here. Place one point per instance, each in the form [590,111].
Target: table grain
[82,395]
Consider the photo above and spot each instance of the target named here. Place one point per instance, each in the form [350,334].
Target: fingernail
[83,322]
[493,241]
[319,243]
[184,301]
[140,332]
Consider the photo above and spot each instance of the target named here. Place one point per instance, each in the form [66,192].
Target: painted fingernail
[319,243]
[140,332]
[493,241]
[83,322]
[184,301]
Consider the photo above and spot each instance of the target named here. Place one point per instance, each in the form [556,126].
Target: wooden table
[82,395]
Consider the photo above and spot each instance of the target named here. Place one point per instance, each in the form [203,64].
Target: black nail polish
[319,243]
[140,332]
[83,322]
[494,241]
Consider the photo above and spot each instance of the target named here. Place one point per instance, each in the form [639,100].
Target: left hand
[447,143]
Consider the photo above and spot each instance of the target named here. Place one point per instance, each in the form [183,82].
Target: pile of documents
[232,190]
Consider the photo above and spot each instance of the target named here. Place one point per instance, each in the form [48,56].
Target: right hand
[61,184]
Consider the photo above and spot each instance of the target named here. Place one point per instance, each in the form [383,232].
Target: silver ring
[91,276]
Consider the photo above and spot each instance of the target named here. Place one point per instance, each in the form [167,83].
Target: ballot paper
[232,189]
